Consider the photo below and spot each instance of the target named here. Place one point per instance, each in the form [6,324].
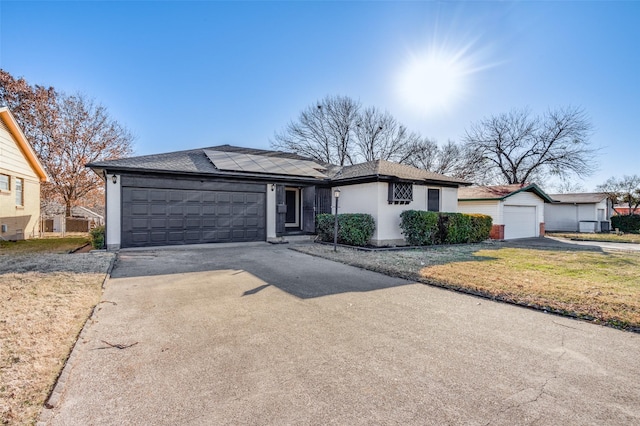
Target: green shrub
[354,229]
[422,228]
[481,225]
[627,223]
[97,237]
[458,228]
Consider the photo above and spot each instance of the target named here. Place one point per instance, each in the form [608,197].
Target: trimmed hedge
[97,237]
[422,228]
[354,229]
[627,223]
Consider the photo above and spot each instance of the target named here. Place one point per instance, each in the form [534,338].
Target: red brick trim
[497,232]
[541,229]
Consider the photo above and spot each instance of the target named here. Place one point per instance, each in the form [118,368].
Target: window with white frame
[4,182]
[19,192]
[400,192]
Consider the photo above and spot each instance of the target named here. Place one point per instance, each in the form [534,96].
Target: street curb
[57,392]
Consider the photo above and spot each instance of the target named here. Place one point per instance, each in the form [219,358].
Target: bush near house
[97,237]
[422,228]
[354,229]
[627,223]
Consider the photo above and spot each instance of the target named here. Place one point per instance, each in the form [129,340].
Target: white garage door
[520,222]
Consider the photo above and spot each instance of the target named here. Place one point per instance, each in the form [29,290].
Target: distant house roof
[24,145]
[54,208]
[233,161]
[579,198]
[383,168]
[499,192]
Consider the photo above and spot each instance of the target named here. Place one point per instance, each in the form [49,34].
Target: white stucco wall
[449,200]
[372,198]
[490,208]
[271,212]
[113,213]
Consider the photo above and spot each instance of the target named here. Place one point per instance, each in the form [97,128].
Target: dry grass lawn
[602,286]
[43,245]
[45,298]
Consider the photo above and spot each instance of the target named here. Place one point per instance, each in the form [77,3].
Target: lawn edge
[57,389]
[613,323]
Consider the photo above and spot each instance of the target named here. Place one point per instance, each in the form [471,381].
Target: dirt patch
[46,299]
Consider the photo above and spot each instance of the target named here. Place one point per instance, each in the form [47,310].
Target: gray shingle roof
[388,168]
[500,192]
[190,161]
[197,161]
[579,198]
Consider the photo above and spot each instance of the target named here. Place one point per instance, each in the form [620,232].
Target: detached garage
[517,210]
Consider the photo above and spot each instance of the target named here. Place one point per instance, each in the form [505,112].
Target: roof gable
[500,192]
[23,144]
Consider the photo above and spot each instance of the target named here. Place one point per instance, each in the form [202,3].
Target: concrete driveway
[260,334]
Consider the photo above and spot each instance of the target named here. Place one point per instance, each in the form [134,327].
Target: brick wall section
[497,232]
[542,229]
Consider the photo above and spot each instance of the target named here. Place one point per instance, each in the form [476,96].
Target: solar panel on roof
[237,162]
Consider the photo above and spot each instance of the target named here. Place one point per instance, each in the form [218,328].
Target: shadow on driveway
[298,274]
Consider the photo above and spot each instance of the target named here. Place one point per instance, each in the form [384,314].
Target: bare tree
[83,133]
[66,132]
[379,136]
[517,148]
[450,159]
[625,190]
[323,131]
[33,107]
[567,186]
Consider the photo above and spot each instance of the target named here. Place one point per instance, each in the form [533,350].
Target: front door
[292,200]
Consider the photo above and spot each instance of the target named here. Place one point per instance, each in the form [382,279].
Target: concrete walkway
[265,335]
[564,243]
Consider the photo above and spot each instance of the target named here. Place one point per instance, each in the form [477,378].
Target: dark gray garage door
[157,216]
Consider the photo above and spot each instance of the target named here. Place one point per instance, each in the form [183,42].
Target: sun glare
[435,80]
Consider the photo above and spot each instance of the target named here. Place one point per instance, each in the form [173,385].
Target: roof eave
[23,144]
[390,178]
[101,169]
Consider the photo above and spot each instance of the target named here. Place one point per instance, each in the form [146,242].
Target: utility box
[605,226]
[588,226]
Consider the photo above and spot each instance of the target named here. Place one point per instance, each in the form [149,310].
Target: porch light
[114,179]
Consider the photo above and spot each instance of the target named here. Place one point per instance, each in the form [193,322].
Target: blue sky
[185,75]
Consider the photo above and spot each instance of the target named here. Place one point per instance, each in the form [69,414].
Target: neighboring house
[94,218]
[234,194]
[622,210]
[578,212]
[20,176]
[517,210]
[82,219]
